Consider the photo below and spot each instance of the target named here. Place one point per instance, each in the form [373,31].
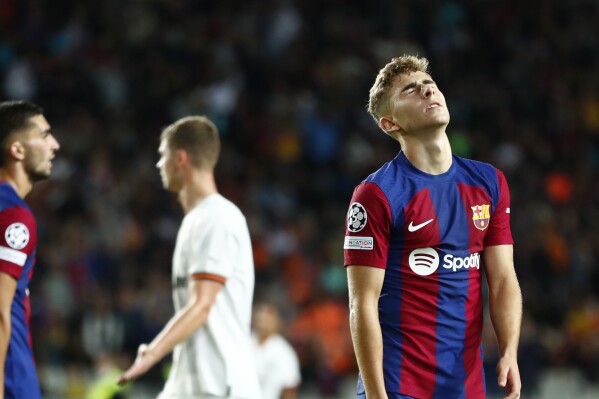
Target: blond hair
[198,136]
[380,92]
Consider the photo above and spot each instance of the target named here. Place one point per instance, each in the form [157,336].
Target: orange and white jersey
[214,243]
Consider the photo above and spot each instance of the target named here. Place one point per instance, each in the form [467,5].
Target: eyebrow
[413,84]
[45,131]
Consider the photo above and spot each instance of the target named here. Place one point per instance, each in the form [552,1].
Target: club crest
[481,216]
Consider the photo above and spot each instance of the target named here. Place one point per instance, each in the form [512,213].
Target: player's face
[168,168]
[418,104]
[40,148]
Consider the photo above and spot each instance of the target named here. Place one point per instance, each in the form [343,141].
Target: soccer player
[418,233]
[27,151]
[276,360]
[213,277]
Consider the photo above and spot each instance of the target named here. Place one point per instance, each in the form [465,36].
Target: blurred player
[27,151]
[213,277]
[418,232]
[277,363]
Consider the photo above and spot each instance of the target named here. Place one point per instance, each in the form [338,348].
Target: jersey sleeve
[213,251]
[500,232]
[17,240]
[367,227]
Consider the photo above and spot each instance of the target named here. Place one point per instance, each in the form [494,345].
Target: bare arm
[365,285]
[505,306]
[8,286]
[180,327]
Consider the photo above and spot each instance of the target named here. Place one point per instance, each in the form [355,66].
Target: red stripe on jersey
[419,300]
[500,232]
[209,276]
[377,227]
[17,225]
[474,384]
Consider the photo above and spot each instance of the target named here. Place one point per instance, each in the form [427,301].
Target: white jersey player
[213,278]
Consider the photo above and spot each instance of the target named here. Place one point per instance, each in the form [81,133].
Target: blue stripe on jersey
[480,174]
[389,309]
[9,197]
[451,314]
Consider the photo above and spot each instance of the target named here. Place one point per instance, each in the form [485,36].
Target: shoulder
[10,199]
[380,183]
[221,208]
[475,166]
[16,214]
[479,170]
[215,210]
[280,344]
[387,174]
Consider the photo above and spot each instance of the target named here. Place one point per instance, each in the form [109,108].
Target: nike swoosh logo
[412,228]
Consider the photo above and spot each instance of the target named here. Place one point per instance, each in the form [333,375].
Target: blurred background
[287,83]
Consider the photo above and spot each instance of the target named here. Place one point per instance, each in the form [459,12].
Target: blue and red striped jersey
[18,241]
[428,233]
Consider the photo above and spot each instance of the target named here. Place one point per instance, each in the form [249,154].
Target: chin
[37,176]
[171,188]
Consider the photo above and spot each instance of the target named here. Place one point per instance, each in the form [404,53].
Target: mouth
[434,105]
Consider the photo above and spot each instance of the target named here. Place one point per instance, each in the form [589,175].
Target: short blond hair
[198,136]
[378,102]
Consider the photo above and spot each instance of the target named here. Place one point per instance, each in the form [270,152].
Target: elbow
[201,311]
[355,306]
[358,307]
[5,317]
[5,324]
[508,286]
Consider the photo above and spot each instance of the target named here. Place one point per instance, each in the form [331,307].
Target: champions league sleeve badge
[356,217]
[17,235]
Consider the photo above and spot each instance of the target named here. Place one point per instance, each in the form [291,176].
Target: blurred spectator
[276,361]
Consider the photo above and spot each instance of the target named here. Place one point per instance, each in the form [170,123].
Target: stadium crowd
[287,84]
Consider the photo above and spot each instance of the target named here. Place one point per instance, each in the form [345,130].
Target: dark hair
[14,115]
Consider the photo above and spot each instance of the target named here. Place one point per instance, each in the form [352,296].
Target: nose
[427,91]
[55,144]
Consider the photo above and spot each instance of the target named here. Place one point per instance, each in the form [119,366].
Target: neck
[262,337]
[198,185]
[430,153]
[14,175]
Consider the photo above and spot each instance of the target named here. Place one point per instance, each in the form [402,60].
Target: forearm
[5,330]
[289,393]
[505,306]
[368,346]
[8,286]
[181,326]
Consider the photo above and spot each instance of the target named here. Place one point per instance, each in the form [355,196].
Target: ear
[182,157]
[388,124]
[16,150]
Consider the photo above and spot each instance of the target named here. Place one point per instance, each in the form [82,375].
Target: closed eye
[411,87]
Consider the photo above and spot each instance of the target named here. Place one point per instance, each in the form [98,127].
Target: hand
[508,377]
[143,362]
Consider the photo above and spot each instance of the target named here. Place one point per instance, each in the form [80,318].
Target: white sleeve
[213,248]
